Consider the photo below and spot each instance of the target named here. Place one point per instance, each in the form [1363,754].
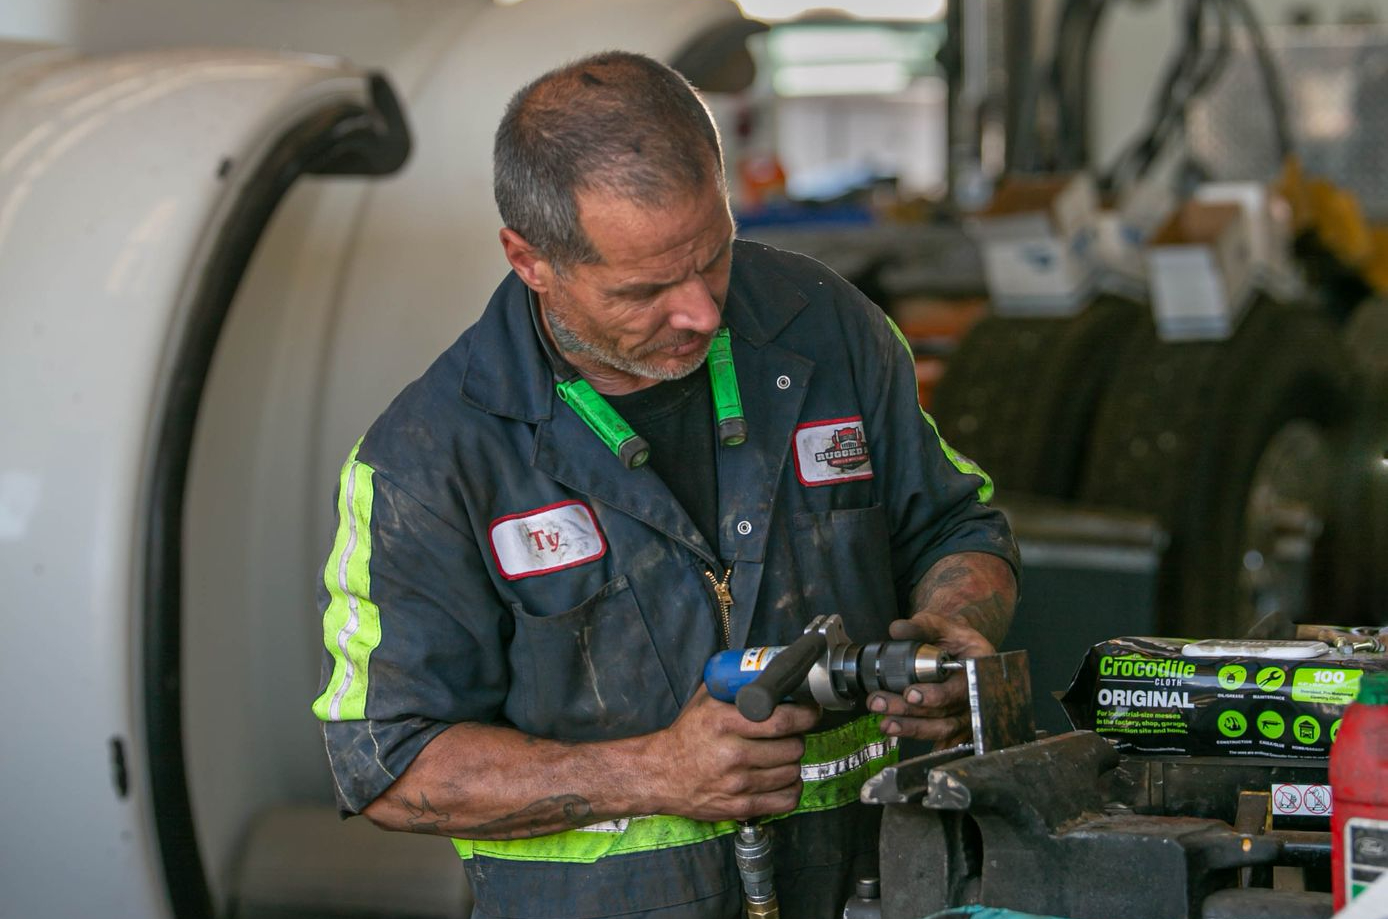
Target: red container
[1359,785]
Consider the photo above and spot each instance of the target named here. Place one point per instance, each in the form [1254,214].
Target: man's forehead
[623,230]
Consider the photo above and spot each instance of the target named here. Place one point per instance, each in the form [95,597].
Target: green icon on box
[1335,729]
[1231,676]
[1306,729]
[1270,679]
[1271,725]
[1232,723]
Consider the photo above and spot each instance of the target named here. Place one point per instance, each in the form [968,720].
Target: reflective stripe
[838,762]
[834,768]
[351,623]
[642,834]
[607,826]
[962,462]
[818,772]
[957,459]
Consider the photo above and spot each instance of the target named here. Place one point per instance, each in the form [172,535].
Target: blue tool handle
[728,671]
[781,676]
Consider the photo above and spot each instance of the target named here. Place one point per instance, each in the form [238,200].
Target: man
[516,622]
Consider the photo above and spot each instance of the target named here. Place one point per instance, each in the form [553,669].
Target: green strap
[835,766]
[957,459]
[351,623]
[727,398]
[605,421]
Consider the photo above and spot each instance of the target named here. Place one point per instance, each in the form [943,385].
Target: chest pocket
[591,672]
[844,557]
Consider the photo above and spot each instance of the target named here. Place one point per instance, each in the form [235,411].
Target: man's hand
[932,711]
[964,605]
[720,766]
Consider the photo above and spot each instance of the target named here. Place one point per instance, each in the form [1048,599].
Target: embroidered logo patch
[546,539]
[829,452]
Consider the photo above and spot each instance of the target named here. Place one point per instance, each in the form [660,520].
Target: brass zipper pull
[724,595]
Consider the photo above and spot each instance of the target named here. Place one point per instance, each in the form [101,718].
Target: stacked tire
[1231,445]
[1019,394]
[1261,456]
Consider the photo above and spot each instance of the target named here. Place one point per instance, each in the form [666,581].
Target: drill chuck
[887,666]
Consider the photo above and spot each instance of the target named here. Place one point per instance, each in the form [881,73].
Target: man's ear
[530,266]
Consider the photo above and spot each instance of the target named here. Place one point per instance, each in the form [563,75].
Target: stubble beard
[572,342]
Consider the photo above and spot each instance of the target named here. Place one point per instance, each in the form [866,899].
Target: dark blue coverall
[495,562]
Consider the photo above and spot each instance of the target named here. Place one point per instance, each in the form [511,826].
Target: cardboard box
[1200,265]
[1038,241]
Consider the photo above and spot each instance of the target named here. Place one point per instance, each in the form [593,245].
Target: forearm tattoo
[981,591]
[424,818]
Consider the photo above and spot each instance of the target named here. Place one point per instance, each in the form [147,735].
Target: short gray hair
[614,122]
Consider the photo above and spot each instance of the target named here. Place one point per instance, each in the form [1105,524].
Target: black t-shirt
[676,418]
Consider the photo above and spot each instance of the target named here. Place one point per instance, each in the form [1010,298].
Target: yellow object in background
[1338,221]
[1334,215]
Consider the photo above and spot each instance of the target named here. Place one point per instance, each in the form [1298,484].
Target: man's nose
[693,307]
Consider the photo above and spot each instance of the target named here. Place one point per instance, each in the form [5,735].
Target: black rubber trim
[374,141]
[338,139]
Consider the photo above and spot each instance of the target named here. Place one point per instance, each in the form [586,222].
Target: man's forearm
[975,587]
[479,781]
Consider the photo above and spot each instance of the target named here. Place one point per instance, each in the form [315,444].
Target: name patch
[546,539]
[833,451]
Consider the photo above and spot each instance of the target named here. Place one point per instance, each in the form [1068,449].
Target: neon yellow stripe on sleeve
[352,622]
[957,459]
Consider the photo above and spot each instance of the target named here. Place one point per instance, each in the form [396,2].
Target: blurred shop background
[1138,247]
